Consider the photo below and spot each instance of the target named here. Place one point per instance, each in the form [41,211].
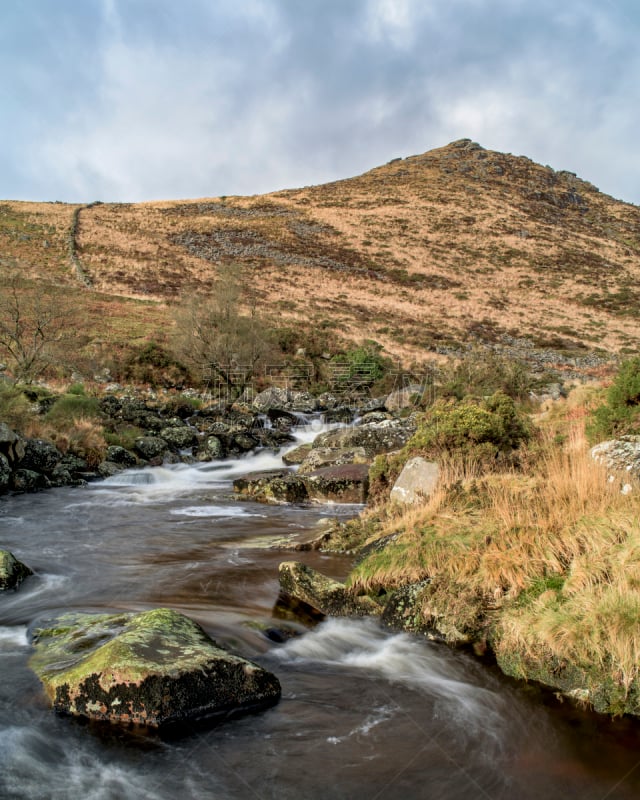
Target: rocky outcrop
[319,457]
[416,482]
[328,596]
[12,571]
[11,445]
[285,399]
[156,668]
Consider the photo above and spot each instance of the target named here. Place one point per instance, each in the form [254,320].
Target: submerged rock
[12,571]
[156,668]
[330,597]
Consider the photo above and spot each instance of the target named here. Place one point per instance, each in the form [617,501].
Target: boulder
[273,397]
[5,472]
[348,483]
[11,444]
[376,438]
[210,449]
[179,437]
[416,482]
[40,456]
[320,457]
[404,398]
[619,455]
[297,455]
[150,447]
[12,571]
[272,486]
[118,455]
[26,480]
[285,420]
[328,596]
[156,668]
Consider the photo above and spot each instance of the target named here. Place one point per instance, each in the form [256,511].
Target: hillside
[424,255]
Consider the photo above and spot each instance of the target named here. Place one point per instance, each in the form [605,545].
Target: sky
[129,100]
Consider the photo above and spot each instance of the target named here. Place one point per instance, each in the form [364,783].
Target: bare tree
[33,322]
[220,338]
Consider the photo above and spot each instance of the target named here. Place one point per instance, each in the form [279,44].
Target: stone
[179,437]
[150,447]
[326,595]
[274,397]
[272,486]
[157,668]
[348,483]
[211,449]
[404,398]
[376,438]
[12,571]
[416,482]
[619,455]
[11,444]
[320,457]
[40,456]
[26,480]
[297,455]
[119,455]
[5,472]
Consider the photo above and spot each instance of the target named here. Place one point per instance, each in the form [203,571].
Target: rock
[416,482]
[375,416]
[348,483]
[402,611]
[320,457]
[5,472]
[156,668]
[211,449]
[376,438]
[404,398]
[150,447]
[107,469]
[285,420]
[40,456]
[272,486]
[297,455]
[330,597]
[244,442]
[274,397]
[12,571]
[620,455]
[179,437]
[11,444]
[341,414]
[118,455]
[26,480]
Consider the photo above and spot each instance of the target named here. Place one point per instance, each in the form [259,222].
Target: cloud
[139,99]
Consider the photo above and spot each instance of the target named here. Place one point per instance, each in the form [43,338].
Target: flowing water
[364,713]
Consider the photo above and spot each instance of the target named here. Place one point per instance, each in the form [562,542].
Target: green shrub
[154,365]
[76,389]
[15,409]
[621,413]
[481,429]
[70,407]
[483,372]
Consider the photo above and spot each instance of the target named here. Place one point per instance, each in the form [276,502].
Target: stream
[364,713]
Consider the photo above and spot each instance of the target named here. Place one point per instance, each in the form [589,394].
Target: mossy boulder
[330,597]
[12,571]
[156,668]
[320,457]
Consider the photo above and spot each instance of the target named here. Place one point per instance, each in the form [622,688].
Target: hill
[424,254]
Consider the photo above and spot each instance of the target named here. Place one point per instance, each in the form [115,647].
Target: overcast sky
[126,100]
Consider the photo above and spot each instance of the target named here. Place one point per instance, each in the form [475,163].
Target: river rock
[297,455]
[12,571]
[210,449]
[11,444]
[156,668]
[416,482]
[273,397]
[5,472]
[26,480]
[272,486]
[404,398]
[150,447]
[330,597]
[376,438]
[348,483]
[40,456]
[121,456]
[179,437]
[320,457]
